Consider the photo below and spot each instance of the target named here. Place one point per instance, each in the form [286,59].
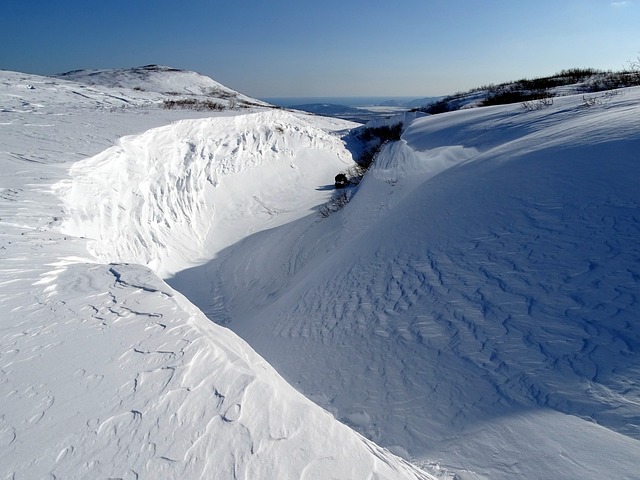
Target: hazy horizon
[351,101]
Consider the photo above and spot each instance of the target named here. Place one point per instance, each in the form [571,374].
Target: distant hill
[167,81]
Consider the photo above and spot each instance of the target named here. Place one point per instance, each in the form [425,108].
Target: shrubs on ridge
[193,104]
[339,199]
[537,91]
[508,95]
[372,139]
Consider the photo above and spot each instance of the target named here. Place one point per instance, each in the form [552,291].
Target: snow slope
[177,194]
[475,306]
[107,372]
[48,120]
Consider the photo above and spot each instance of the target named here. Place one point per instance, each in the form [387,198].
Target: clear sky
[324,47]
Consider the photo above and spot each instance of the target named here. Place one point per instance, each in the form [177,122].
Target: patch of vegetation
[338,201]
[612,81]
[564,77]
[538,104]
[373,139]
[441,106]
[356,173]
[514,95]
[193,104]
[370,140]
[219,93]
[156,68]
[593,100]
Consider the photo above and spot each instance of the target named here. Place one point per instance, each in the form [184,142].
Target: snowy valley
[173,305]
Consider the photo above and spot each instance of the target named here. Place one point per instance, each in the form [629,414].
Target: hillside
[533,93]
[157,79]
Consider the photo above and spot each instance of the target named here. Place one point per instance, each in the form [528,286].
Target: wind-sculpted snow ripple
[161,385]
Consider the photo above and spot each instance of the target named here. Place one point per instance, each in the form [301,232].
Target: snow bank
[177,194]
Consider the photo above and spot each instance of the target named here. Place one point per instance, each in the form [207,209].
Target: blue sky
[324,48]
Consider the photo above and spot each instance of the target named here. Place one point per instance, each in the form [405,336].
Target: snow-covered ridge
[174,195]
[154,78]
[113,90]
[536,92]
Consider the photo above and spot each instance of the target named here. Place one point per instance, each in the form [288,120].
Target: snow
[479,291]
[473,309]
[105,370]
[122,377]
[176,194]
[158,79]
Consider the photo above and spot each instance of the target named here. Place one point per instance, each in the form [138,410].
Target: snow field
[126,379]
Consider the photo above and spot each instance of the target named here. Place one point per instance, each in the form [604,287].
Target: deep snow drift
[105,371]
[175,194]
[476,304]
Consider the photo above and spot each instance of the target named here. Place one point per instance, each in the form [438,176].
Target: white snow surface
[177,194]
[105,370]
[474,308]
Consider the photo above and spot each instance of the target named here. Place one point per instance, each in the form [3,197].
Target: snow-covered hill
[107,372]
[160,79]
[535,92]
